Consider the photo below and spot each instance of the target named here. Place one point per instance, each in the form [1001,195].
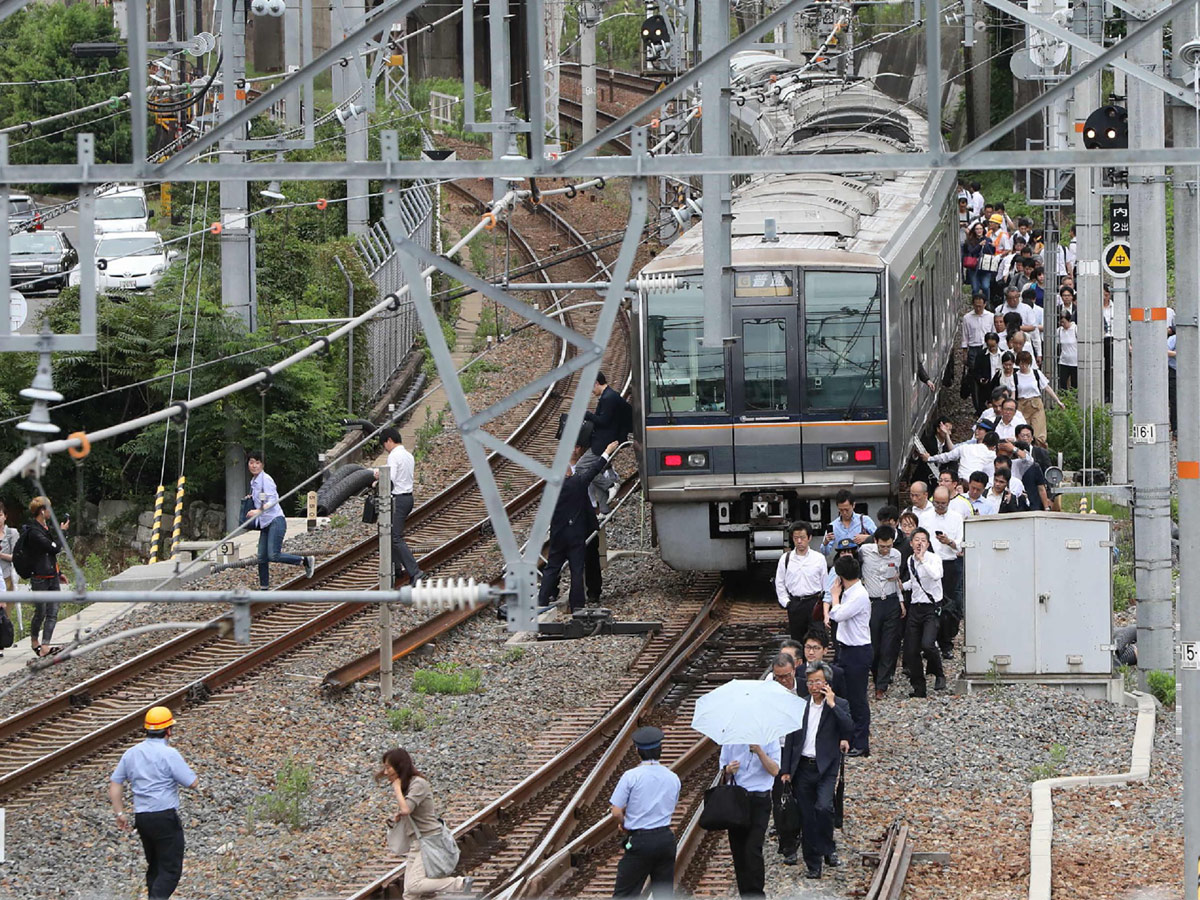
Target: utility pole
[1088,22]
[358,212]
[1149,458]
[386,579]
[501,80]
[291,58]
[237,238]
[589,18]
[714,138]
[1185,63]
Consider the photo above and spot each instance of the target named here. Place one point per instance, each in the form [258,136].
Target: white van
[120,209]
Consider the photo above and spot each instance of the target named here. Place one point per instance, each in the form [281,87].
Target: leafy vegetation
[1052,766]
[407,719]
[1065,433]
[447,678]
[1162,686]
[285,804]
[427,431]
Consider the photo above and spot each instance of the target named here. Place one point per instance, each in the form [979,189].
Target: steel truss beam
[521,565]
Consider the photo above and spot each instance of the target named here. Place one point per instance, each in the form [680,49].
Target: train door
[765,373]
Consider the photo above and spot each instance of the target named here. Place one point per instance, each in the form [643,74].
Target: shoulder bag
[439,852]
[247,505]
[970,262]
[399,835]
[726,805]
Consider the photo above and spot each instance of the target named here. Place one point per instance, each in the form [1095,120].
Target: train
[846,297]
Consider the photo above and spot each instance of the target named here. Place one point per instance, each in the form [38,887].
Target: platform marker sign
[1118,259]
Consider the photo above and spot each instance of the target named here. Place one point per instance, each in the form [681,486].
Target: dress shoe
[858,751]
[947,654]
[813,873]
[790,859]
[832,860]
[919,694]
[940,684]
[879,695]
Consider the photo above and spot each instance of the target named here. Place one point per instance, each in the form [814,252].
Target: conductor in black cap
[642,804]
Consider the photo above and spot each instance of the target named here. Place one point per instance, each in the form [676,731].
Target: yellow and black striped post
[177,530]
[154,535]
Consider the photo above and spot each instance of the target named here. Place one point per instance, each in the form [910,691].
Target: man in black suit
[811,759]
[572,522]
[612,421]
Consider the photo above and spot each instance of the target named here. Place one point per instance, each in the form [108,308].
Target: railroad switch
[591,622]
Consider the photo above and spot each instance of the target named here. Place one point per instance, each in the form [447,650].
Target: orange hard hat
[159,718]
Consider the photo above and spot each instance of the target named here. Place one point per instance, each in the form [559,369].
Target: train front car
[843,288]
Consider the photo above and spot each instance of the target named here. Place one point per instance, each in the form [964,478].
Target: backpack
[22,561]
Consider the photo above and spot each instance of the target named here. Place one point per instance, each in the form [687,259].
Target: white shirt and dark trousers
[402,466]
[746,844]
[812,757]
[880,578]
[924,580]
[799,587]
[950,524]
[853,615]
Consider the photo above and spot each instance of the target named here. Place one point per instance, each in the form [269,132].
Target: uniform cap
[845,544]
[985,425]
[647,737]
[996,219]
[159,718]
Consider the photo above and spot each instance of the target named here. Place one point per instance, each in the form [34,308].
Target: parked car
[23,213]
[40,260]
[122,209]
[134,261]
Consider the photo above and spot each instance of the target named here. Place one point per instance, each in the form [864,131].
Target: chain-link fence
[390,335]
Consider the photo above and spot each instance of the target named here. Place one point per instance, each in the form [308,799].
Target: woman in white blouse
[1068,352]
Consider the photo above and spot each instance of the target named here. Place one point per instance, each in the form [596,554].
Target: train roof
[850,218]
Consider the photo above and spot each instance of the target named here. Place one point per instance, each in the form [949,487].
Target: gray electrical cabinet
[1038,600]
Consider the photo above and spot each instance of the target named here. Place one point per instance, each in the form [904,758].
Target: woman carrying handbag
[417,833]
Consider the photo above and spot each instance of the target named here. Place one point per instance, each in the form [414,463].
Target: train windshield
[843,341]
[681,375]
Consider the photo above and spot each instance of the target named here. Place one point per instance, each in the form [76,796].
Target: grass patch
[1162,686]
[1052,766]
[428,431]
[284,805]
[512,655]
[407,719]
[1124,587]
[476,375]
[339,520]
[1065,432]
[447,678]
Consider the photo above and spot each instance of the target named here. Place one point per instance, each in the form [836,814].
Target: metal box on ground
[1038,601]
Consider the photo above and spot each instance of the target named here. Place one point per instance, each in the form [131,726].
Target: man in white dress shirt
[851,609]
[947,528]
[753,767]
[800,580]
[971,456]
[402,466]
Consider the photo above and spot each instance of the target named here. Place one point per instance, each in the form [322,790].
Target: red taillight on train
[864,455]
[673,460]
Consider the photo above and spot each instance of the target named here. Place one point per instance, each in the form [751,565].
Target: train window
[764,364]
[770,283]
[843,341]
[681,375]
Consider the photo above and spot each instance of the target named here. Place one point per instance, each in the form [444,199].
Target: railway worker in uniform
[923,577]
[754,767]
[570,526]
[800,580]
[881,577]
[851,609]
[402,466]
[947,528]
[643,803]
[848,525]
[155,771]
[811,760]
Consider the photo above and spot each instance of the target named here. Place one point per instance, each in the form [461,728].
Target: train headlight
[697,460]
[839,457]
[851,456]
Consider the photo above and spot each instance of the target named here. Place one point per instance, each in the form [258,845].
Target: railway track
[609,79]
[446,533]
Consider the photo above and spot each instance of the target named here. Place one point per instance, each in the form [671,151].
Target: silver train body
[831,322]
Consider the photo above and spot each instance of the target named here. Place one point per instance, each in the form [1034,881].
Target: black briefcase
[726,805]
[839,796]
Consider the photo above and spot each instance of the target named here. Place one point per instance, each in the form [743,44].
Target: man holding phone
[881,569]
[848,525]
[946,525]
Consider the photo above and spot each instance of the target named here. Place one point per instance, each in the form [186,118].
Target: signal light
[1106,128]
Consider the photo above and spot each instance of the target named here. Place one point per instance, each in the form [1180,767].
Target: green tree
[35,45]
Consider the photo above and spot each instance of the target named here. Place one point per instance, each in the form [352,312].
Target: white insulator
[657,284]
[443,594]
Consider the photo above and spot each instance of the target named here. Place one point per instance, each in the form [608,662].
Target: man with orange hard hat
[155,770]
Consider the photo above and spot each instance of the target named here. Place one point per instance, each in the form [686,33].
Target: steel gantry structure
[1138,55]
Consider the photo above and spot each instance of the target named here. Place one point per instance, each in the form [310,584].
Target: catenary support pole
[1120,404]
[1089,22]
[498,32]
[291,58]
[1149,461]
[714,137]
[357,205]
[386,580]
[587,76]
[237,243]
[1186,133]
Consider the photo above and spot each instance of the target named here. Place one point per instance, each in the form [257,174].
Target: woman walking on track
[417,816]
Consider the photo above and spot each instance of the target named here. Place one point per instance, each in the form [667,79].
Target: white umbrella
[748,712]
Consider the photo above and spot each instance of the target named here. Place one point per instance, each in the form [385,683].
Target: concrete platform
[87,620]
